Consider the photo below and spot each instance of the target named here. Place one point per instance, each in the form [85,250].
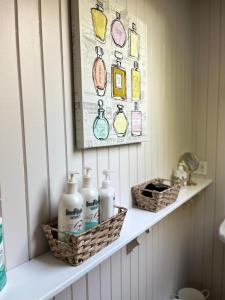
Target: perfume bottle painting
[99,20]
[101,124]
[118,32]
[134,42]
[120,123]
[135,82]
[99,73]
[136,121]
[118,78]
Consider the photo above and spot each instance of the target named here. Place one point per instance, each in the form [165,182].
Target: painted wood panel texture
[209,142]
[37,143]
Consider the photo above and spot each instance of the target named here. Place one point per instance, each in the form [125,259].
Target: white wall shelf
[44,277]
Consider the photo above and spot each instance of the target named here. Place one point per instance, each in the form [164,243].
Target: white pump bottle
[91,201]
[70,210]
[107,197]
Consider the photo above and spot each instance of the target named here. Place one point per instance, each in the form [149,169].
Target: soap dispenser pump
[91,201]
[107,197]
[70,210]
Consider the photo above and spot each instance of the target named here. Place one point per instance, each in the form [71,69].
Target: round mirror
[192,163]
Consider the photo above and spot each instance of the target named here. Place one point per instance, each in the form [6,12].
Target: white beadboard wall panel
[125,274]
[55,114]
[116,276]
[142,267]
[80,289]
[13,177]
[93,288]
[134,273]
[43,112]
[209,142]
[105,277]
[65,295]
[34,121]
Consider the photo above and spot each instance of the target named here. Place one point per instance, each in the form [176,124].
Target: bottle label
[118,81]
[74,221]
[3,278]
[92,214]
[2,260]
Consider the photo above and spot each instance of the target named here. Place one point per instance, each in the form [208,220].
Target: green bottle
[101,124]
[3,278]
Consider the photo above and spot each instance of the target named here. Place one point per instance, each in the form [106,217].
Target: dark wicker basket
[158,200]
[80,247]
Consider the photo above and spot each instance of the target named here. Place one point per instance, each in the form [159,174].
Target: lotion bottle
[3,277]
[91,201]
[70,210]
[107,197]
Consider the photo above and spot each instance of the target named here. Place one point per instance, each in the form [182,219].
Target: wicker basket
[158,200]
[81,247]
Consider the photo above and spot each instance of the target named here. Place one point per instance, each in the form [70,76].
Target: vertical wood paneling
[116,280]
[211,143]
[52,64]
[34,121]
[65,295]
[105,275]
[74,156]
[80,289]
[94,289]
[142,267]
[43,117]
[12,152]
[126,274]
[210,139]
[134,274]
[124,176]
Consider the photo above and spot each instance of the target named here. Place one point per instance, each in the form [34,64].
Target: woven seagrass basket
[158,200]
[80,247]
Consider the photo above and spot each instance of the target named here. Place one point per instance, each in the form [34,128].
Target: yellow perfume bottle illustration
[119,89]
[134,42]
[136,82]
[120,123]
[99,21]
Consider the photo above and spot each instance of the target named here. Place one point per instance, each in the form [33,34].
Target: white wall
[37,141]
[209,142]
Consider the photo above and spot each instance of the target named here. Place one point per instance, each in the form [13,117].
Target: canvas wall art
[110,73]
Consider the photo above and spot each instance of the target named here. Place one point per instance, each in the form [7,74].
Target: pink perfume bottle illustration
[118,32]
[99,73]
[136,121]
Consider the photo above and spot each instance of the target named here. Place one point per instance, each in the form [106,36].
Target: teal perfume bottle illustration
[101,124]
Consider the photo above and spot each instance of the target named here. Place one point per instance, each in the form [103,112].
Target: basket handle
[205,293]
[119,208]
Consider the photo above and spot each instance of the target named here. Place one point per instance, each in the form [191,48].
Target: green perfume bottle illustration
[101,124]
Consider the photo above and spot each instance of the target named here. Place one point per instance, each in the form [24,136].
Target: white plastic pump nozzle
[107,182]
[72,182]
[87,177]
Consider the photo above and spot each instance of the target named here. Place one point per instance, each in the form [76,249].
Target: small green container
[3,278]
